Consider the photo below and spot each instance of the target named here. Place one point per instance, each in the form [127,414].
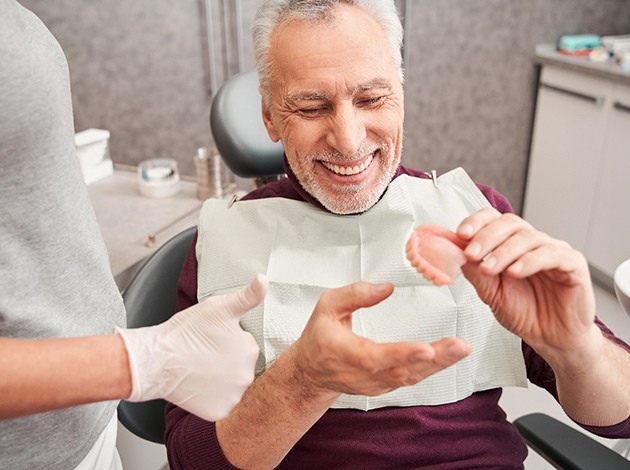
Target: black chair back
[149,300]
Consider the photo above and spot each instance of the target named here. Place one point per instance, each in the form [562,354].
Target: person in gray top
[59,305]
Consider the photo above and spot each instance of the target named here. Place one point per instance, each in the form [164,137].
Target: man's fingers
[488,237]
[450,350]
[553,256]
[512,248]
[409,363]
[343,301]
[472,224]
[382,356]
[439,354]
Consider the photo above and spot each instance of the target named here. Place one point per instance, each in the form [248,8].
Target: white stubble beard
[352,199]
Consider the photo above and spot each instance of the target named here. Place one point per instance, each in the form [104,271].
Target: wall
[140,69]
[471,82]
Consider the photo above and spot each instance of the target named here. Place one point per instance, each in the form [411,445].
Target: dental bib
[304,250]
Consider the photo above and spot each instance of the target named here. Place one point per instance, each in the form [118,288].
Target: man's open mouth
[349,170]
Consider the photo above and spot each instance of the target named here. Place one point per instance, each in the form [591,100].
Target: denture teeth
[348,170]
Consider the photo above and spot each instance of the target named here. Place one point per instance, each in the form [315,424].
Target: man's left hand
[539,288]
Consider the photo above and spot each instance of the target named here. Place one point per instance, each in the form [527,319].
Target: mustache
[337,157]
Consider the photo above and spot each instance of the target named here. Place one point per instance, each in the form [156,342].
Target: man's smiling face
[337,105]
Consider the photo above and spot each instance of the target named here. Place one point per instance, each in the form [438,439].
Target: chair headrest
[239,132]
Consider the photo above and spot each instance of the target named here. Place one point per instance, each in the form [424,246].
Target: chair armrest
[565,447]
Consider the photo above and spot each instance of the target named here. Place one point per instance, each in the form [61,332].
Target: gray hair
[273,12]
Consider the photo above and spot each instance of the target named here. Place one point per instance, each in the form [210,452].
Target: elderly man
[405,392]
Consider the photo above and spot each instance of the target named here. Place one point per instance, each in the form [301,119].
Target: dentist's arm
[200,359]
[47,374]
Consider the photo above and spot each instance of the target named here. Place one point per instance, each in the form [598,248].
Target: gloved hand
[200,359]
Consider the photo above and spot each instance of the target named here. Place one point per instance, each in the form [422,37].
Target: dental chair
[149,300]
[242,141]
[565,447]
[239,133]
[245,147]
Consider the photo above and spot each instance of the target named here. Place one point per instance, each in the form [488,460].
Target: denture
[436,252]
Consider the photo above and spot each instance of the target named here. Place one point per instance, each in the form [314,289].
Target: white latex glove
[200,359]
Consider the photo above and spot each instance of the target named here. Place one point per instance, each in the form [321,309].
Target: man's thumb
[344,301]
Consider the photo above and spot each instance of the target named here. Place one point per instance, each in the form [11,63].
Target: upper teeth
[348,170]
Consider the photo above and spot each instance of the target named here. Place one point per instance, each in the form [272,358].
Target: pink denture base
[436,252]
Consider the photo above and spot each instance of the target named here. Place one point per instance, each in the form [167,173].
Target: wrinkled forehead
[350,49]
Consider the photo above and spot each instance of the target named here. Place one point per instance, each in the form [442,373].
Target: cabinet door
[566,149]
[609,237]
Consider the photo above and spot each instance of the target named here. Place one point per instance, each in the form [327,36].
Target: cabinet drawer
[566,151]
[574,86]
[609,237]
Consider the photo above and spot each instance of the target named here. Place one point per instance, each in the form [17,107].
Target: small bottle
[209,178]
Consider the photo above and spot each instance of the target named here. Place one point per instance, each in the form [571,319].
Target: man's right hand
[330,358]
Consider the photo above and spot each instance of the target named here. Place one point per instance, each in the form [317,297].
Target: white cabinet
[608,243]
[578,184]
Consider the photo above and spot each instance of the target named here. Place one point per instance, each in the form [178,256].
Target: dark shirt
[470,433]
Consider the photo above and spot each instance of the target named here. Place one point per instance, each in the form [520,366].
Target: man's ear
[266,115]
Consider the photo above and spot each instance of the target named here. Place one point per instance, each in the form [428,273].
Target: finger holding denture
[436,252]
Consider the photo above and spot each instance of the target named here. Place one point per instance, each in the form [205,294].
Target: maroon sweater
[471,433]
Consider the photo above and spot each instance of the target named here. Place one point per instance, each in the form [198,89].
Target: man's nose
[346,130]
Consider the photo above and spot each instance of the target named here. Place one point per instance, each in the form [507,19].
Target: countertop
[127,219]
[547,54]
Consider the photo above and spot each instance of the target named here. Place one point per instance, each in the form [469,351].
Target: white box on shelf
[93,154]
[95,173]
